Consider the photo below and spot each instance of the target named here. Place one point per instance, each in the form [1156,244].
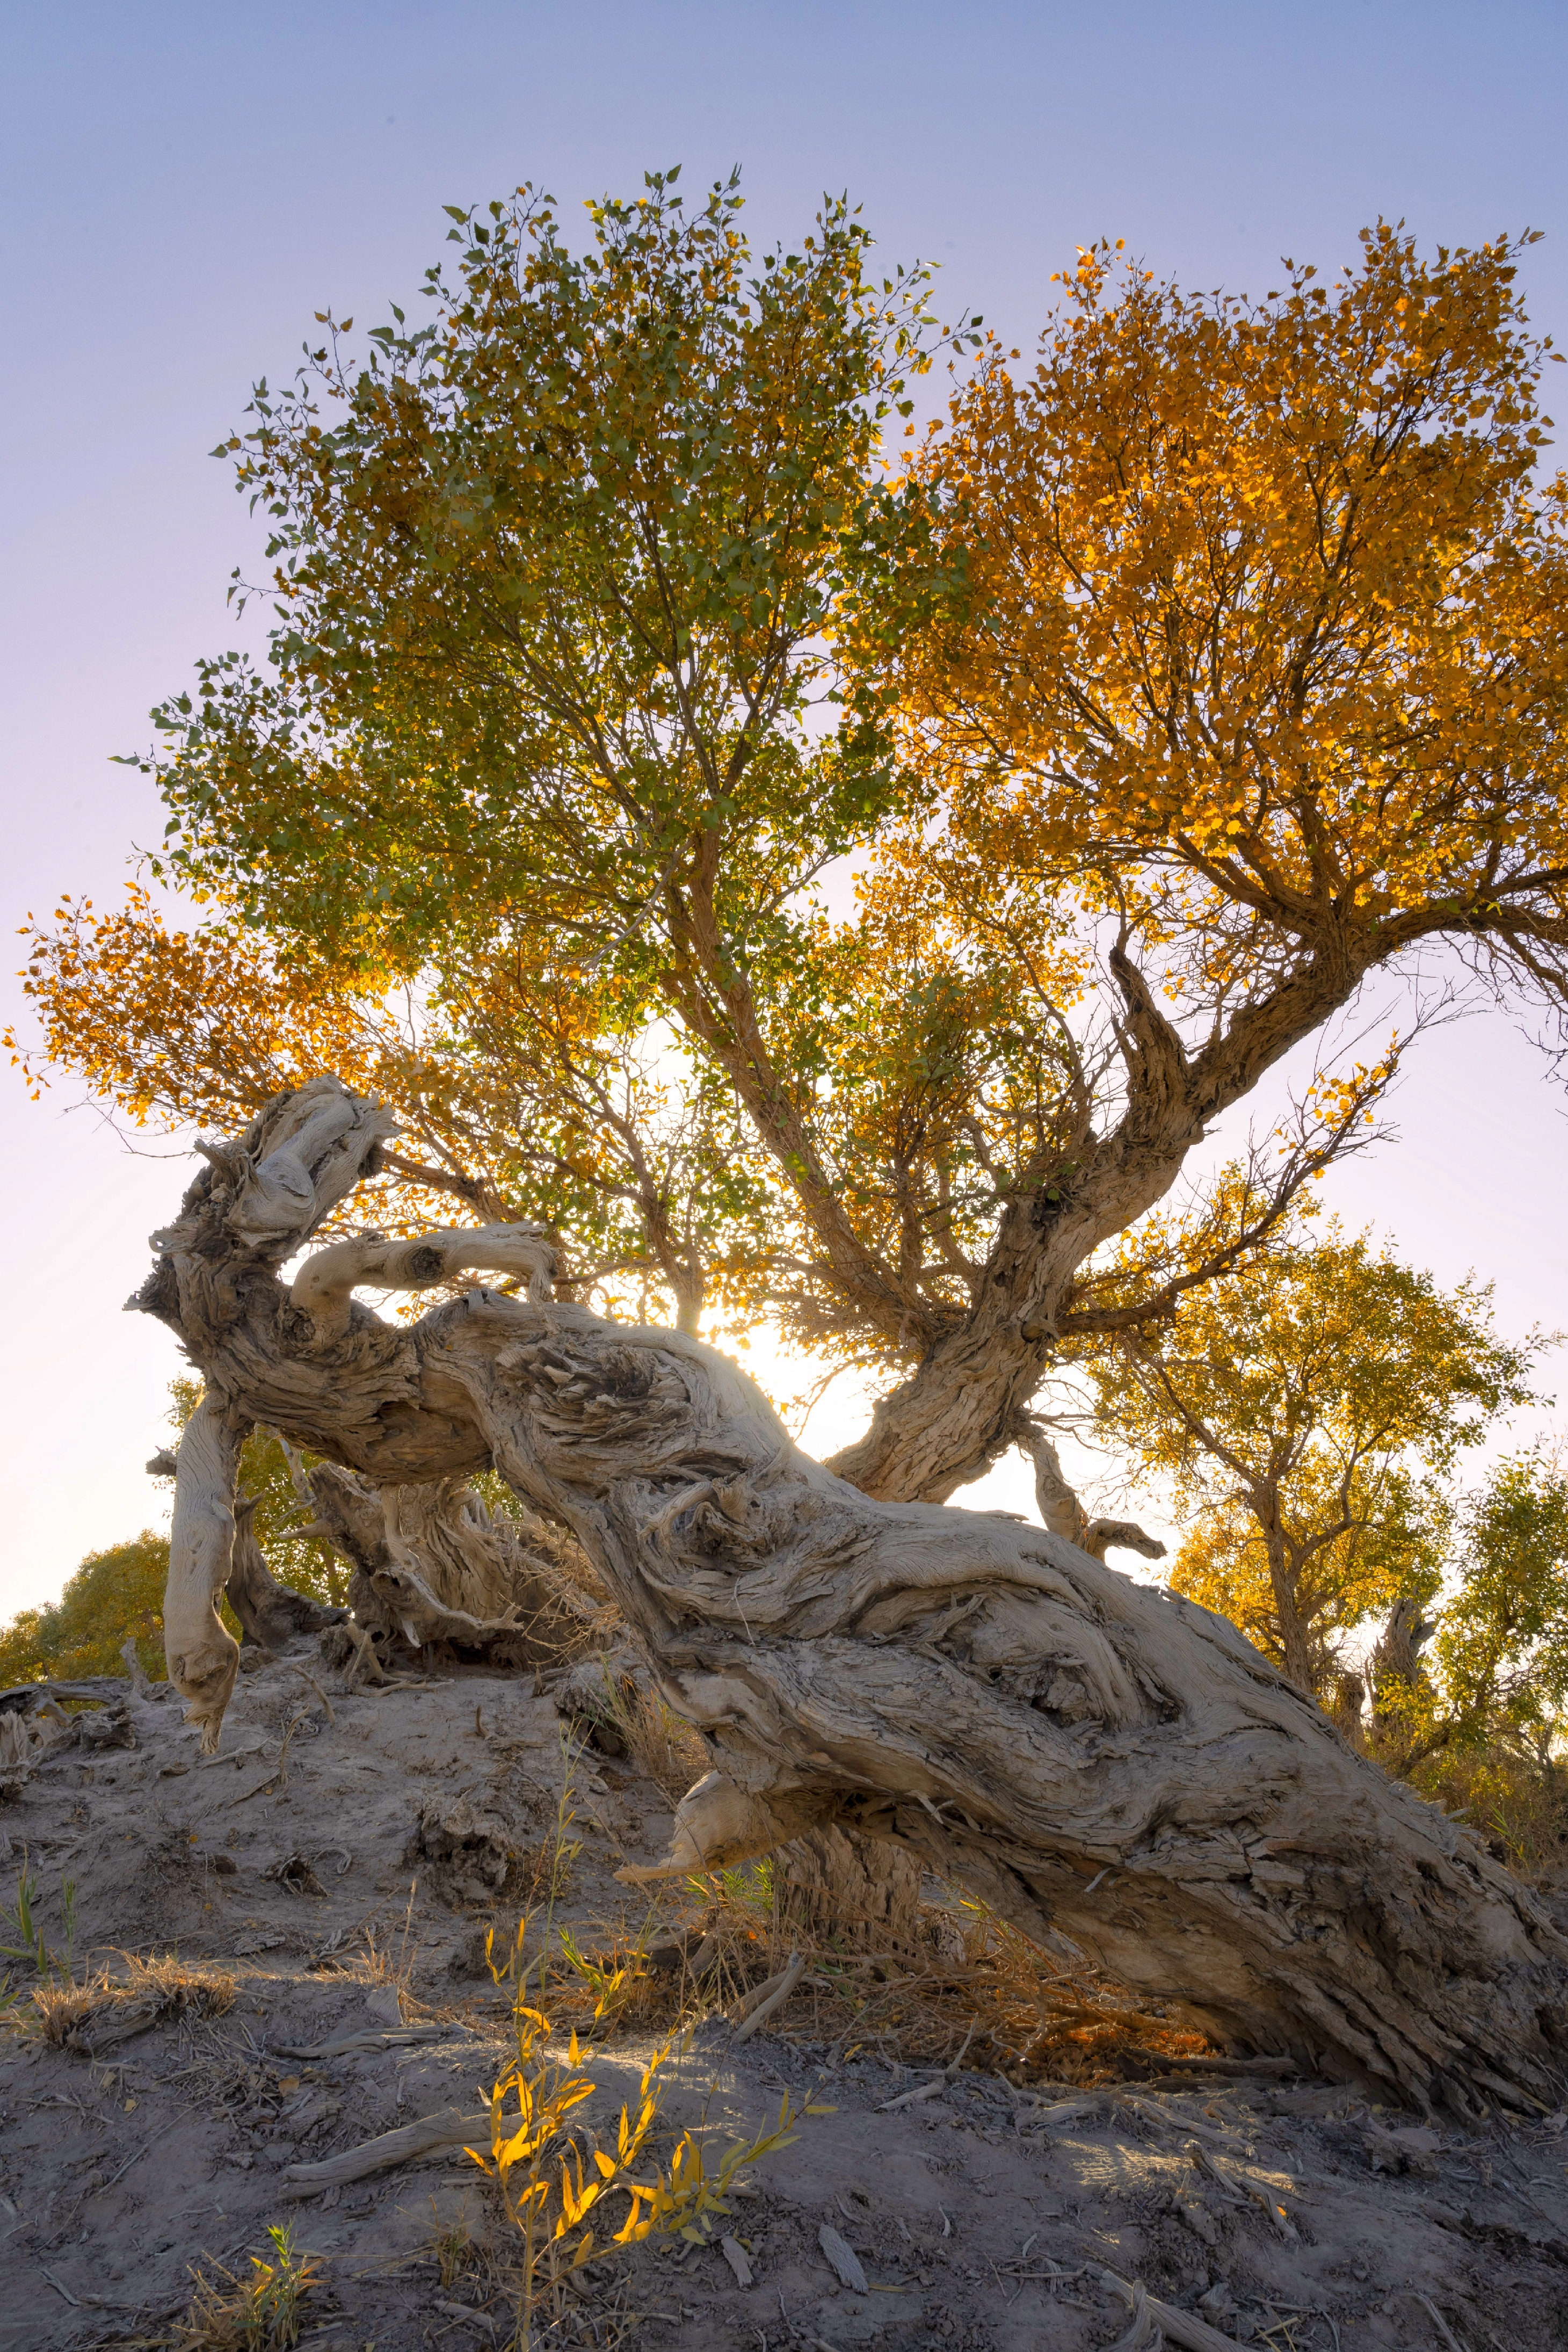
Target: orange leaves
[195,1025]
[1265,604]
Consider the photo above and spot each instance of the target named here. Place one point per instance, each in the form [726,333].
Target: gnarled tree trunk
[430,1565]
[1081,1751]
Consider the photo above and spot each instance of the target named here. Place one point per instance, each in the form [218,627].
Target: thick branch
[325,1284]
[1062,1512]
[969,1399]
[201,1655]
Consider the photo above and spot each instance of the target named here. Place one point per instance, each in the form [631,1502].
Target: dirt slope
[967,2211]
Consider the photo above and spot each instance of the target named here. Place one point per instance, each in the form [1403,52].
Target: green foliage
[1501,1655]
[1496,1676]
[553,571]
[1480,1728]
[113,1594]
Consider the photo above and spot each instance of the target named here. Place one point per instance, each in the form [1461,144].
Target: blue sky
[183,187]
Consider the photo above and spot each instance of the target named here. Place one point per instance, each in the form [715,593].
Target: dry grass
[1520,1808]
[197,1992]
[972,1984]
[379,1955]
[580,1615]
[104,2009]
[663,1748]
[64,2008]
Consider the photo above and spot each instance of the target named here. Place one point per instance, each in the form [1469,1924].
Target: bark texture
[1081,1751]
[853,1893]
[269,1613]
[430,1565]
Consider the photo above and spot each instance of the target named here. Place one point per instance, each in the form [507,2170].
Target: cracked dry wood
[1079,1751]
[429,1563]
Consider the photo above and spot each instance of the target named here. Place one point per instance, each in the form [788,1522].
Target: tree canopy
[1155,700]
[113,1596]
[1496,1672]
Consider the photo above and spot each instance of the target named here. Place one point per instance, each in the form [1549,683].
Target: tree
[1308,1408]
[1497,1670]
[567,581]
[113,1597]
[1261,659]
[1068,1744]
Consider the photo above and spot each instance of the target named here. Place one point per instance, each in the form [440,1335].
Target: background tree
[1478,1719]
[115,1596]
[1306,1409]
[1500,1655]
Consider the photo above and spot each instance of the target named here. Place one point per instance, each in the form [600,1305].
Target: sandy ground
[1288,2216]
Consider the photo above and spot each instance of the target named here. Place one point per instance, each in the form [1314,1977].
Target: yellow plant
[610,1985]
[681,2201]
[259,2313]
[555,2208]
[550,2212]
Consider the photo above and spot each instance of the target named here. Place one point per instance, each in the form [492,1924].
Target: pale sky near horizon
[184,187]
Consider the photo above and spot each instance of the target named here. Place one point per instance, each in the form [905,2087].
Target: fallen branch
[1183,2327]
[394,2038]
[448,2128]
[928,2090]
[759,2006]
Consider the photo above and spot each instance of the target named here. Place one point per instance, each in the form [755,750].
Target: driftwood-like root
[1084,1753]
[269,1613]
[202,1654]
[430,1565]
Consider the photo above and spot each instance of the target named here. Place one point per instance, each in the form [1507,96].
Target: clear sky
[183,186]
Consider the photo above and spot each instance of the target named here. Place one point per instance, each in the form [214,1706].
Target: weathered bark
[1396,1663]
[431,1565]
[1081,1751]
[201,1655]
[269,1613]
[859,1894]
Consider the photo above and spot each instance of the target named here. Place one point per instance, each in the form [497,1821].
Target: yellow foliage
[199,1024]
[1225,649]
[1306,1406]
[1265,625]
